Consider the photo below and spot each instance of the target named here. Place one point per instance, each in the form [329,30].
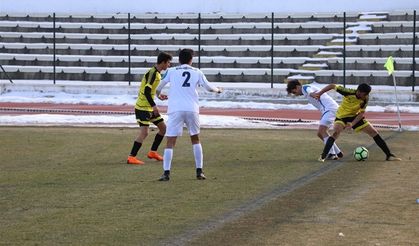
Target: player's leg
[338,128]
[192,123]
[152,154]
[174,129]
[143,119]
[326,122]
[167,158]
[367,128]
[324,135]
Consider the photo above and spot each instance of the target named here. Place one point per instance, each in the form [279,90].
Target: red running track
[382,118]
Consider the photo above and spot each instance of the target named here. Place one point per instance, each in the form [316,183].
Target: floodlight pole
[7,76]
[414,52]
[54,64]
[397,102]
[199,40]
[272,51]
[344,49]
[129,48]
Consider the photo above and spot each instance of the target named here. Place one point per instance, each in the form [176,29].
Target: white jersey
[184,81]
[324,104]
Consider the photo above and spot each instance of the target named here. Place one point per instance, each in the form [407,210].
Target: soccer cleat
[392,157]
[134,161]
[154,155]
[332,157]
[200,176]
[164,177]
[321,159]
[340,155]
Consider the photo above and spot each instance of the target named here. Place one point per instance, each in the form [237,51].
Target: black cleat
[201,176]
[164,177]
[340,155]
[332,157]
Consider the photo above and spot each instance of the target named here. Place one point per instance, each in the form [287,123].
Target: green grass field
[72,186]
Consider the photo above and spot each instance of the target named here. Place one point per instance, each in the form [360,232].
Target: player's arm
[147,94]
[325,89]
[357,119]
[162,84]
[207,85]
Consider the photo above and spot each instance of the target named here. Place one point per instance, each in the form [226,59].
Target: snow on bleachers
[205,59]
[244,27]
[194,26]
[152,59]
[169,16]
[229,48]
[170,36]
[400,35]
[207,71]
[74,70]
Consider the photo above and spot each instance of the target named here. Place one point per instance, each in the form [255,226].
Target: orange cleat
[154,155]
[134,161]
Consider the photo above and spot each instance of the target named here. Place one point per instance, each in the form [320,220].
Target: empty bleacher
[233,47]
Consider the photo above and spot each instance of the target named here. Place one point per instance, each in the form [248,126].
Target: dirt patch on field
[359,203]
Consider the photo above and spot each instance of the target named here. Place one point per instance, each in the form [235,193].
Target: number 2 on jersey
[188,76]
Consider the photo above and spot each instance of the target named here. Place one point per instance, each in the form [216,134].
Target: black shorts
[357,127]
[145,117]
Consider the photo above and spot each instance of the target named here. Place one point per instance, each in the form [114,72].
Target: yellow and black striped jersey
[350,105]
[151,79]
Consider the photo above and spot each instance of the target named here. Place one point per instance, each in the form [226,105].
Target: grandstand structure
[250,47]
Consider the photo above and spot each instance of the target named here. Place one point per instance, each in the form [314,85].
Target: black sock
[135,148]
[329,143]
[157,140]
[167,172]
[382,144]
[198,171]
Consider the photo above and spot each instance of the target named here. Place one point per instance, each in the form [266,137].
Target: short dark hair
[164,57]
[364,87]
[185,56]
[292,84]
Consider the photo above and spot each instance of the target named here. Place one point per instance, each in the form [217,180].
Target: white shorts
[328,118]
[176,120]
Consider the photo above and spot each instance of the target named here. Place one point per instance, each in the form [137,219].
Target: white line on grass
[254,204]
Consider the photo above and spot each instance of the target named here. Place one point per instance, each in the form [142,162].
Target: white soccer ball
[360,153]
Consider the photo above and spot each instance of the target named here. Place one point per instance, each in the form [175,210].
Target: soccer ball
[360,153]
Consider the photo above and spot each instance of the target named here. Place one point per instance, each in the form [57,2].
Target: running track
[378,118]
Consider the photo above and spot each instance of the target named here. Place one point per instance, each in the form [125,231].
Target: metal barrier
[250,62]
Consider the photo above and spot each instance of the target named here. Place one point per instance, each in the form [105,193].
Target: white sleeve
[163,83]
[205,83]
[308,89]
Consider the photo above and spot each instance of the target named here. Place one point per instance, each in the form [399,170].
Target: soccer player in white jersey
[327,107]
[183,108]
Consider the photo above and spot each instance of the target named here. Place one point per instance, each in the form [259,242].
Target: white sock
[167,159]
[199,156]
[336,148]
[332,150]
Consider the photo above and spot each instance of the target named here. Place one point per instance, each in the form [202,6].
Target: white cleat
[393,158]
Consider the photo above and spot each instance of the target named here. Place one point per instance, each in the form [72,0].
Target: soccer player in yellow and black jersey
[146,110]
[350,114]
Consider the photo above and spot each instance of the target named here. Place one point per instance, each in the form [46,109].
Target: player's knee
[171,142]
[163,130]
[195,139]
[144,134]
[320,134]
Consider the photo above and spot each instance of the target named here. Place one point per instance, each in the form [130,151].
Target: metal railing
[275,21]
